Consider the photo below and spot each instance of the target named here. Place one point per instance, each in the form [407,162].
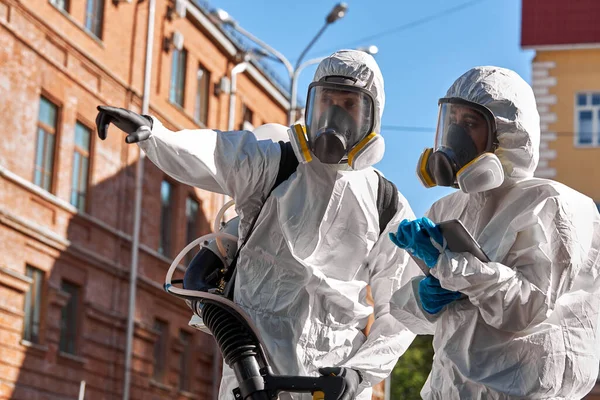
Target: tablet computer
[458,240]
[420,263]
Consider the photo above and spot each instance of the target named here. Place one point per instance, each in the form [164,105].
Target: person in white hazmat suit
[528,327]
[302,274]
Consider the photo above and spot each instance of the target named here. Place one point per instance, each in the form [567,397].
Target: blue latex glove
[421,237]
[433,296]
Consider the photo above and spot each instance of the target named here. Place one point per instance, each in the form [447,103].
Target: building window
[166,215]
[178,69]
[247,118]
[184,362]
[69,319]
[588,119]
[81,162]
[160,350]
[33,305]
[46,143]
[62,4]
[94,15]
[191,217]
[202,92]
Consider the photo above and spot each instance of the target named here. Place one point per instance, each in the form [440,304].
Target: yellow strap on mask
[422,171]
[359,146]
[300,132]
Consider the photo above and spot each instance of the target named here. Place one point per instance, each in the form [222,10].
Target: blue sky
[419,62]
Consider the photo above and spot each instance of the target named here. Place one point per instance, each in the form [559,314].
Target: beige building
[566,80]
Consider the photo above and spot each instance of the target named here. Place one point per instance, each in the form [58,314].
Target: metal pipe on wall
[139,179]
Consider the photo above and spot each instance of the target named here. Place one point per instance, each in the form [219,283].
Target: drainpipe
[239,68]
[139,178]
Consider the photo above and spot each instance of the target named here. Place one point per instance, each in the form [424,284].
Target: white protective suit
[529,327]
[302,275]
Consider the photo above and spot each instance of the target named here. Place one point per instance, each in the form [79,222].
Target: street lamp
[372,49]
[338,12]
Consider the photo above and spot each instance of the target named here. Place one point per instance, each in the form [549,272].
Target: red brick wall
[44,51]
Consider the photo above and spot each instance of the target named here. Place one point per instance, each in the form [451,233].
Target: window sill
[161,386]
[179,108]
[187,394]
[63,204]
[72,358]
[34,347]
[187,115]
[95,38]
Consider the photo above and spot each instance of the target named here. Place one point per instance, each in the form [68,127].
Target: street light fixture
[338,12]
[372,49]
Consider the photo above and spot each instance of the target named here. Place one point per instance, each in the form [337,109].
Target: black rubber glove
[126,120]
[352,379]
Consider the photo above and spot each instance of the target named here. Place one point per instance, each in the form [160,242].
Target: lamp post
[338,12]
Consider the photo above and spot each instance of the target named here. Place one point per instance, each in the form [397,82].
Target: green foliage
[411,371]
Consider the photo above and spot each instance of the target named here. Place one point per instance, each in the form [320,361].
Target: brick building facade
[66,198]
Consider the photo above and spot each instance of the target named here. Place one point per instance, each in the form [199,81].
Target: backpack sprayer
[208,290]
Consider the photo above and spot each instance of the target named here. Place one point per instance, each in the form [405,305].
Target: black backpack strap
[387,201]
[288,164]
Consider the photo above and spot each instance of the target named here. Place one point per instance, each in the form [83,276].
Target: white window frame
[595,109]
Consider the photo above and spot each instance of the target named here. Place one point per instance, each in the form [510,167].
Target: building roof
[241,45]
[560,22]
